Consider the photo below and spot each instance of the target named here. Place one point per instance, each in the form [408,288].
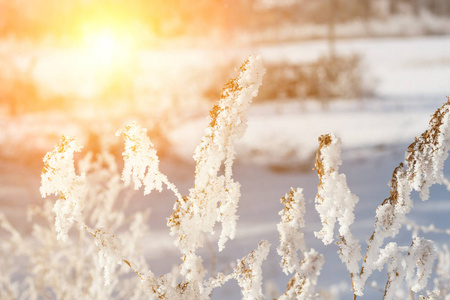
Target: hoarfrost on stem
[390,216]
[302,285]
[215,197]
[307,269]
[291,236]
[435,295]
[58,177]
[335,202]
[248,272]
[110,252]
[421,256]
[396,271]
[426,156]
[141,162]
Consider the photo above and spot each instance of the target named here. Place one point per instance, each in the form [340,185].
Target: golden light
[107,59]
[108,49]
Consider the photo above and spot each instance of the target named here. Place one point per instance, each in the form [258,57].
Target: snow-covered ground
[412,80]
[416,66]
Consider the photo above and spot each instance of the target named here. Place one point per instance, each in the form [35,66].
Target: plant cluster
[84,245]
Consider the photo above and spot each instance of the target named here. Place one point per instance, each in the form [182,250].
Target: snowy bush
[84,246]
[325,79]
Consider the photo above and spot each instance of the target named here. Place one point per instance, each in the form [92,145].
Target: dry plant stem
[133,268]
[365,257]
[221,193]
[411,294]
[126,261]
[335,204]
[429,149]
[391,200]
[353,286]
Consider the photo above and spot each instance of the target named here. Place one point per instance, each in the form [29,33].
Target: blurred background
[103,62]
[371,71]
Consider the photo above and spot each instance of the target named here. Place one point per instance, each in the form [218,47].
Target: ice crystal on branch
[110,251]
[335,202]
[58,177]
[421,256]
[303,284]
[435,295]
[426,156]
[291,236]
[307,269]
[141,162]
[215,197]
[425,160]
[248,272]
[395,269]
[390,216]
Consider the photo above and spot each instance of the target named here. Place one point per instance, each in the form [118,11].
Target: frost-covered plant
[302,285]
[59,178]
[424,161]
[307,269]
[49,267]
[9,288]
[214,197]
[83,228]
[290,230]
[426,156]
[335,202]
[248,271]
[228,123]
[420,256]
[390,216]
[141,162]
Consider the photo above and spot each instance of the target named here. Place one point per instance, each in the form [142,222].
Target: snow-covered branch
[336,203]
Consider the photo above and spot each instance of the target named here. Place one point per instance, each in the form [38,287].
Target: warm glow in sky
[107,49]
[103,57]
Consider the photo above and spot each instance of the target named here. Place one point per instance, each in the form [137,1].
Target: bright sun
[106,55]
[108,49]
[105,42]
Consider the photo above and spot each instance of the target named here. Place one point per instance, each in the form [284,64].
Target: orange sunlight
[107,49]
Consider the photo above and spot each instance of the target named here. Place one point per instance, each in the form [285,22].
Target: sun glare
[106,56]
[108,49]
[104,43]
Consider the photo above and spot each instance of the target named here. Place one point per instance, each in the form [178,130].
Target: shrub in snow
[325,79]
[84,245]
[46,265]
